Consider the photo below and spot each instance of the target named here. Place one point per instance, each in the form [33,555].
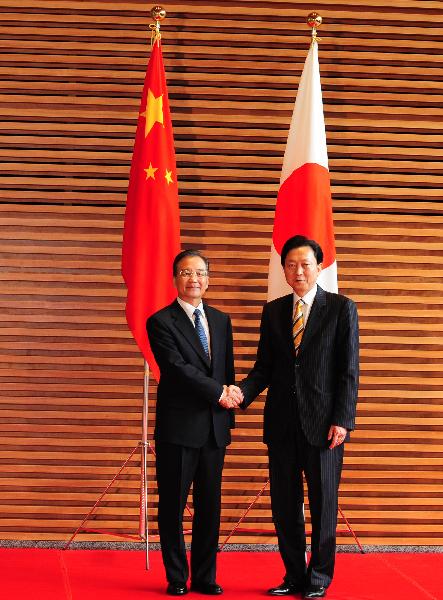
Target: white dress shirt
[189,310]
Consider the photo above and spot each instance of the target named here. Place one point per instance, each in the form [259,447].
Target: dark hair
[297,241]
[183,254]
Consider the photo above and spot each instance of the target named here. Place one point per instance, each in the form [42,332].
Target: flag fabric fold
[151,236]
[304,204]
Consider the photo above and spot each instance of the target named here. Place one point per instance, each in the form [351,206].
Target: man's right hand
[232,396]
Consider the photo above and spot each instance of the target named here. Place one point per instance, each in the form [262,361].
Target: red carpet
[34,574]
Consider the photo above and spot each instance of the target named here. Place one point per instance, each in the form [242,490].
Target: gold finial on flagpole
[158,13]
[314,21]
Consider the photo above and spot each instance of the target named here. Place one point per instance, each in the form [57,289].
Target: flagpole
[304,149]
[158,13]
[151,235]
[144,530]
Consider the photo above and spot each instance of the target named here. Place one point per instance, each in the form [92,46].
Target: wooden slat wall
[71,375]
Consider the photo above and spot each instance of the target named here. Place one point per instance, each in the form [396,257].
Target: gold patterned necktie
[297,325]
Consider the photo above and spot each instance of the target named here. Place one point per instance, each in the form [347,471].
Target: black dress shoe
[285,589]
[176,589]
[211,589]
[314,591]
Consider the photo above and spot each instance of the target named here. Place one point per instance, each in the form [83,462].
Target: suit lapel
[186,328]
[214,332]
[315,318]
[286,312]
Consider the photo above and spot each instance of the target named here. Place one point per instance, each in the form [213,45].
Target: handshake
[232,396]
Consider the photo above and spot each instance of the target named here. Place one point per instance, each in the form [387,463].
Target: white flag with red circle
[304,205]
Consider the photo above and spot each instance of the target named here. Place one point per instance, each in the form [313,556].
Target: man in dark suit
[192,344]
[308,358]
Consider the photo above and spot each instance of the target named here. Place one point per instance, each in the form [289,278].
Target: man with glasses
[192,344]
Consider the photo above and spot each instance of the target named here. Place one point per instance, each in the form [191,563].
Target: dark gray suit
[192,431]
[307,394]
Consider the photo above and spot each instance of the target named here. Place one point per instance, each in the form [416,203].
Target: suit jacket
[321,382]
[191,385]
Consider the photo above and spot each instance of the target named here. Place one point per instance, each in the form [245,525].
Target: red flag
[151,237]
[304,204]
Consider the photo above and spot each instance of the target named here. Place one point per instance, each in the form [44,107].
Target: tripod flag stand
[144,447]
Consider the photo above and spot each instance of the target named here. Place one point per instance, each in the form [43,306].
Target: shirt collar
[307,298]
[189,308]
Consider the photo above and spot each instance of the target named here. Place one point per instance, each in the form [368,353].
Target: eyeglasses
[200,273]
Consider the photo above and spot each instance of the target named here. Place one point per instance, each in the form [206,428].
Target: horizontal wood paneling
[71,375]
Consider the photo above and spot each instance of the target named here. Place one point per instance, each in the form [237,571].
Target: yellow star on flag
[150,172]
[168,176]
[154,111]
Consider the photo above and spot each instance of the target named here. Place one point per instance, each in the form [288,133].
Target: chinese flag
[151,237]
[304,205]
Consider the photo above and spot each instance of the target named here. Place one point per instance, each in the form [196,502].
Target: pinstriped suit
[307,394]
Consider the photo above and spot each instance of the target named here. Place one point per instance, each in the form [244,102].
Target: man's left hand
[337,435]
